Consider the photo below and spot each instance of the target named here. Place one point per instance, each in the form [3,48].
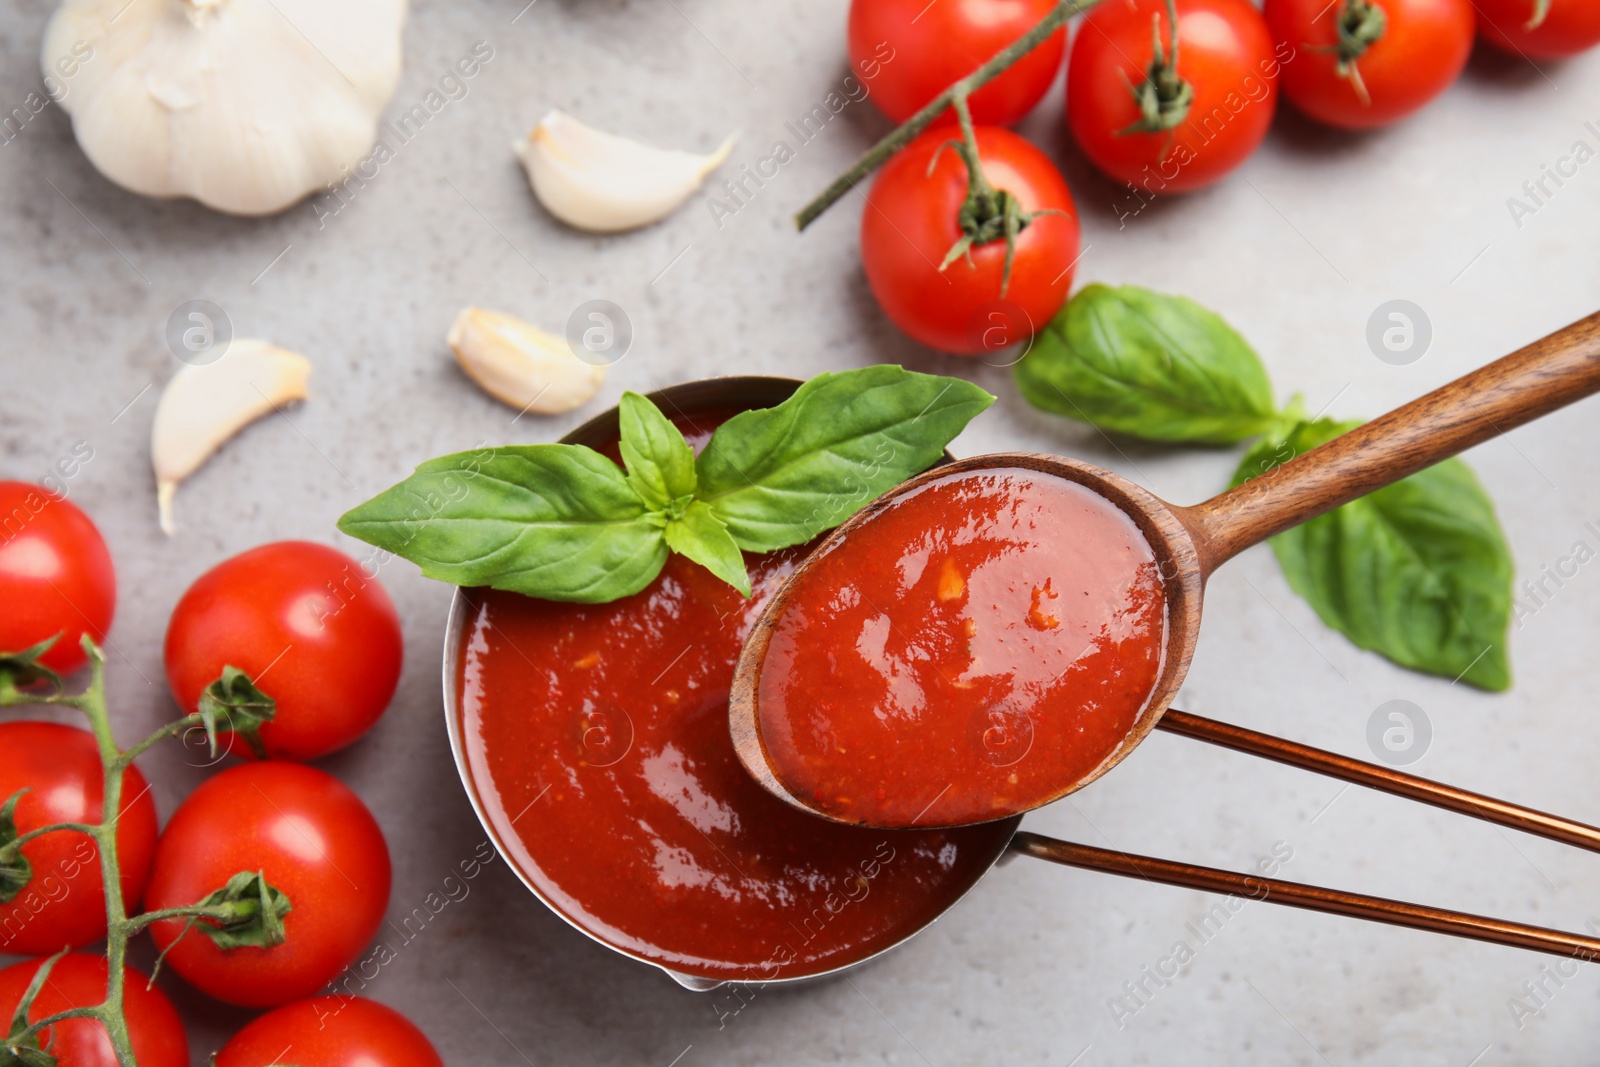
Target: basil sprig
[1418,572]
[1136,362]
[563,522]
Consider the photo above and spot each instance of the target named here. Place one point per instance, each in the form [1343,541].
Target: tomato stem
[987,214]
[176,728]
[15,847]
[907,131]
[269,906]
[96,1012]
[1163,97]
[1361,25]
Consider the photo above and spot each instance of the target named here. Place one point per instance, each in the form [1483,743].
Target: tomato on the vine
[79,981]
[331,1032]
[1541,29]
[308,626]
[1178,120]
[55,575]
[63,903]
[906,52]
[912,223]
[312,839]
[1365,63]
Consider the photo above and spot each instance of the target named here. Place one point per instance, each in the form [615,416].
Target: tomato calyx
[15,870]
[24,1042]
[246,912]
[987,214]
[235,703]
[1164,98]
[20,670]
[1361,24]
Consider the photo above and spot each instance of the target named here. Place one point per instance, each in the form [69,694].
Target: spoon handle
[1533,381]
[1309,897]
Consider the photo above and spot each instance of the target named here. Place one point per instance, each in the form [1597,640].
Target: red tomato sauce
[984,640]
[597,739]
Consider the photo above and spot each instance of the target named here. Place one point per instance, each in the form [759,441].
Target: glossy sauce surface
[597,739]
[978,644]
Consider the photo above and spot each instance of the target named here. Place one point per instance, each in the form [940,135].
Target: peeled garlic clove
[605,184]
[522,365]
[204,405]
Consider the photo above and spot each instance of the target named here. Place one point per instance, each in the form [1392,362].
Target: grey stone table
[1297,250]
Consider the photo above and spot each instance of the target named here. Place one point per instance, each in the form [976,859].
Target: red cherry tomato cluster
[322,639]
[1167,96]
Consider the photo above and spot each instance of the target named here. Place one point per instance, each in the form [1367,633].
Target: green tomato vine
[956,97]
[244,911]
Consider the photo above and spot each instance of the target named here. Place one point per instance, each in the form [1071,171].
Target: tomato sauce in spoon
[596,737]
[956,657]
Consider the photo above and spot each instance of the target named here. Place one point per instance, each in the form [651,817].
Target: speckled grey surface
[1297,250]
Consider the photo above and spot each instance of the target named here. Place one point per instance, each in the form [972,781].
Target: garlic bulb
[603,183]
[204,405]
[243,105]
[522,365]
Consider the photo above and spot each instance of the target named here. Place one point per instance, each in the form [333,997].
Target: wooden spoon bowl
[1171,542]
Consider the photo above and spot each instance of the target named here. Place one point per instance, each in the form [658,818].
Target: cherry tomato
[331,1032]
[1566,28]
[1224,53]
[906,52]
[313,839]
[910,223]
[310,628]
[79,981]
[64,903]
[55,575]
[1422,48]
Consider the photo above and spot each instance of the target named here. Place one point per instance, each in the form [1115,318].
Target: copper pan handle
[1336,901]
[1309,897]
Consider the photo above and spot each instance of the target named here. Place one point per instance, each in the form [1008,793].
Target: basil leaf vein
[1419,571]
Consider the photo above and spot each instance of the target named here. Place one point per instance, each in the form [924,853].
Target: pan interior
[594,740]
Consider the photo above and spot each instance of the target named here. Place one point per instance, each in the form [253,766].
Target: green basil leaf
[1418,571]
[779,476]
[560,522]
[1142,363]
[702,537]
[660,462]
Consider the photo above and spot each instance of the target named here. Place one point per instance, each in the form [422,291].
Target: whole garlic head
[243,105]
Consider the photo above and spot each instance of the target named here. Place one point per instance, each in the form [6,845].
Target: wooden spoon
[1192,542]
